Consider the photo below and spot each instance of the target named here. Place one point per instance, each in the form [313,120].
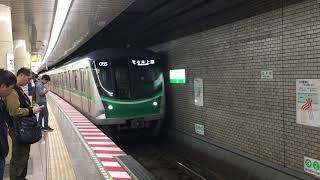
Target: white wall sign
[198,92]
[177,76]
[307,102]
[10,62]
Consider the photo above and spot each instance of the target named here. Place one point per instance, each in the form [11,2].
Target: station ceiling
[139,23]
[145,23]
[32,20]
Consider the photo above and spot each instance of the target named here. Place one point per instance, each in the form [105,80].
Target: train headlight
[155,103]
[110,107]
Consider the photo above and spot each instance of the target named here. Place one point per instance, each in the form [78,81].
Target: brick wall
[241,110]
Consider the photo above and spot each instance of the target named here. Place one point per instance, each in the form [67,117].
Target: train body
[122,88]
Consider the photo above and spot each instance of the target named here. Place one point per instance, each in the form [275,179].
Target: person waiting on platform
[41,100]
[18,105]
[7,82]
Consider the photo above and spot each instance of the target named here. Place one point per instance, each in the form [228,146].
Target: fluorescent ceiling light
[63,7]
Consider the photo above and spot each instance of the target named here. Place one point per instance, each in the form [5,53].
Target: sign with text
[267,74]
[143,62]
[10,62]
[199,129]
[307,98]
[177,76]
[198,92]
[312,166]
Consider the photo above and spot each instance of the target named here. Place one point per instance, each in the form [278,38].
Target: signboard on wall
[312,166]
[177,76]
[266,74]
[198,92]
[10,62]
[307,102]
[35,58]
[199,129]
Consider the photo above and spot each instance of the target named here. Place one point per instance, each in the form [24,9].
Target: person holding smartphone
[41,100]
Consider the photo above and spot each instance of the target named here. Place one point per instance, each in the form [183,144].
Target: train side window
[74,75]
[87,80]
[70,84]
[65,77]
[62,80]
[76,80]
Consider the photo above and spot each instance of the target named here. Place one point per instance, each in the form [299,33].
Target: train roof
[116,53]
[121,52]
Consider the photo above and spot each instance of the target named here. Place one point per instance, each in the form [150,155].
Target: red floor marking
[93,135]
[108,168]
[109,152]
[103,145]
[121,178]
[99,140]
[108,159]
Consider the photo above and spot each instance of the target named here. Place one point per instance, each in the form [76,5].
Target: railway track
[165,160]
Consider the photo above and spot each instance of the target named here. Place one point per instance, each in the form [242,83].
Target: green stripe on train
[126,108]
[76,93]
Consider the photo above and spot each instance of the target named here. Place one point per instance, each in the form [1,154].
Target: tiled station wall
[242,111]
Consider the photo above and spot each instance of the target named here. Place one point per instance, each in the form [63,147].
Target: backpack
[26,129]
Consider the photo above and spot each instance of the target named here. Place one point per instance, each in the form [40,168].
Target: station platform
[76,149]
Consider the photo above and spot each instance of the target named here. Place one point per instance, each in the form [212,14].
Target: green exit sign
[199,129]
[177,76]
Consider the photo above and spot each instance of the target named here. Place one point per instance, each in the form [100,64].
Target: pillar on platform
[20,54]
[6,45]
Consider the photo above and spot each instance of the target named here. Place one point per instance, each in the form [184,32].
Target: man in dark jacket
[7,81]
[19,107]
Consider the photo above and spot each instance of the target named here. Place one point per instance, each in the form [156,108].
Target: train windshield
[123,80]
[146,81]
[136,82]
[102,74]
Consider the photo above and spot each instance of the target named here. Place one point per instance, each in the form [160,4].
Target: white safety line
[119,174]
[110,164]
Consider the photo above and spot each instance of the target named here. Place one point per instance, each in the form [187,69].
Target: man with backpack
[7,82]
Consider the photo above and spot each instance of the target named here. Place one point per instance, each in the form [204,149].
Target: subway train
[118,89]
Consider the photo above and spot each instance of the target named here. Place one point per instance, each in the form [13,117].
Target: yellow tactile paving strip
[59,165]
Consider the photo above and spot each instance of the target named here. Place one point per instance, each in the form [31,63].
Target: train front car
[131,88]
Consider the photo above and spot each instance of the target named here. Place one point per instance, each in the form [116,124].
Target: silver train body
[79,84]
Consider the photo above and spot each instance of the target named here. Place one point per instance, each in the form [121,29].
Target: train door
[82,94]
[69,86]
[88,89]
[66,93]
[77,87]
[86,99]
[85,91]
[59,84]
[62,85]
